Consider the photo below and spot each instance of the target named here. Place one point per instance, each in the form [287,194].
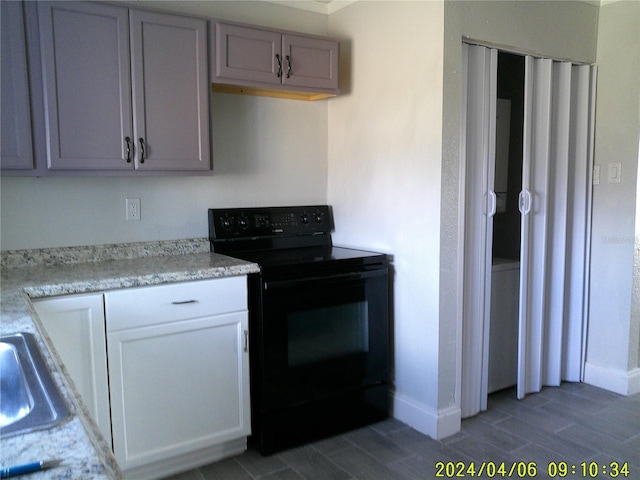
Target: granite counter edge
[229,267]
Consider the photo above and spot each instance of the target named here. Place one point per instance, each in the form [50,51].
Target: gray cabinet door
[170,92]
[16,150]
[247,54]
[310,62]
[87,90]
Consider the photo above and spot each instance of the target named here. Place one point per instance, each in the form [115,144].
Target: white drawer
[144,306]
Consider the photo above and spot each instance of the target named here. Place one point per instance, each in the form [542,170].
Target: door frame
[463,234]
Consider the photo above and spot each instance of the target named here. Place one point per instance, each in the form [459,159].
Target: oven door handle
[340,277]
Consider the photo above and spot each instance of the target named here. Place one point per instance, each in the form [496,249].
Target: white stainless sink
[29,398]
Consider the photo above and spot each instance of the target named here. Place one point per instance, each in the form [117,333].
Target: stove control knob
[243,222]
[226,222]
[318,217]
[305,218]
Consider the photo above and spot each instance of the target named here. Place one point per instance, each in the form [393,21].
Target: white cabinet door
[16,151]
[179,383]
[170,91]
[76,327]
[87,80]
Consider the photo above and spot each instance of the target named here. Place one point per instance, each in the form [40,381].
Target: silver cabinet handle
[288,66]
[141,150]
[246,340]
[184,302]
[128,140]
[279,60]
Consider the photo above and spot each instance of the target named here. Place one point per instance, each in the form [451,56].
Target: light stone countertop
[77,441]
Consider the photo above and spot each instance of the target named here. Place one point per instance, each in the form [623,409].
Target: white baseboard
[624,382]
[438,425]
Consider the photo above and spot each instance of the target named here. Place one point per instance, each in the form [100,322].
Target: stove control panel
[266,222]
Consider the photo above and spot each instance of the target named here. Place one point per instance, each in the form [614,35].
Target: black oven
[319,324]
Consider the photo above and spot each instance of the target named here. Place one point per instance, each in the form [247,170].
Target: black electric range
[319,323]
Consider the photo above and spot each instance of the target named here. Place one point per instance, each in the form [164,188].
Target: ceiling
[325,7]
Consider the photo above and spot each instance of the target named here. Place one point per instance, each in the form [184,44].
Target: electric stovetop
[283,237]
[309,256]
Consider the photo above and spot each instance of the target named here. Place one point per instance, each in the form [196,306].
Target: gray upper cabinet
[87,85]
[170,91]
[260,58]
[310,62]
[124,90]
[16,151]
[247,54]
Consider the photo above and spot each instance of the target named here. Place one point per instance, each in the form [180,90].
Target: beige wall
[384,174]
[635,293]
[614,318]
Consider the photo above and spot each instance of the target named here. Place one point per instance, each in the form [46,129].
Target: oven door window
[327,333]
[323,337]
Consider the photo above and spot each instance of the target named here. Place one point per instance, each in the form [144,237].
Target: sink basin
[15,395]
[29,398]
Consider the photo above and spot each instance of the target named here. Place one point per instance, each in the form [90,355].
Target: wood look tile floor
[573,423]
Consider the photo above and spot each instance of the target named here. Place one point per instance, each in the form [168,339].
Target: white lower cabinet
[178,374]
[75,325]
[178,369]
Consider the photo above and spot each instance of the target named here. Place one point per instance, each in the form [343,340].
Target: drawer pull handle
[184,302]
[246,340]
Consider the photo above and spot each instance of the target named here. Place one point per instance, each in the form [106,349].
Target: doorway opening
[528,127]
[505,265]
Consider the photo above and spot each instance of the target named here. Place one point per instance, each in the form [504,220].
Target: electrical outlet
[133,209]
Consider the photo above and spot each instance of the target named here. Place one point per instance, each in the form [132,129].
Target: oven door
[323,336]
